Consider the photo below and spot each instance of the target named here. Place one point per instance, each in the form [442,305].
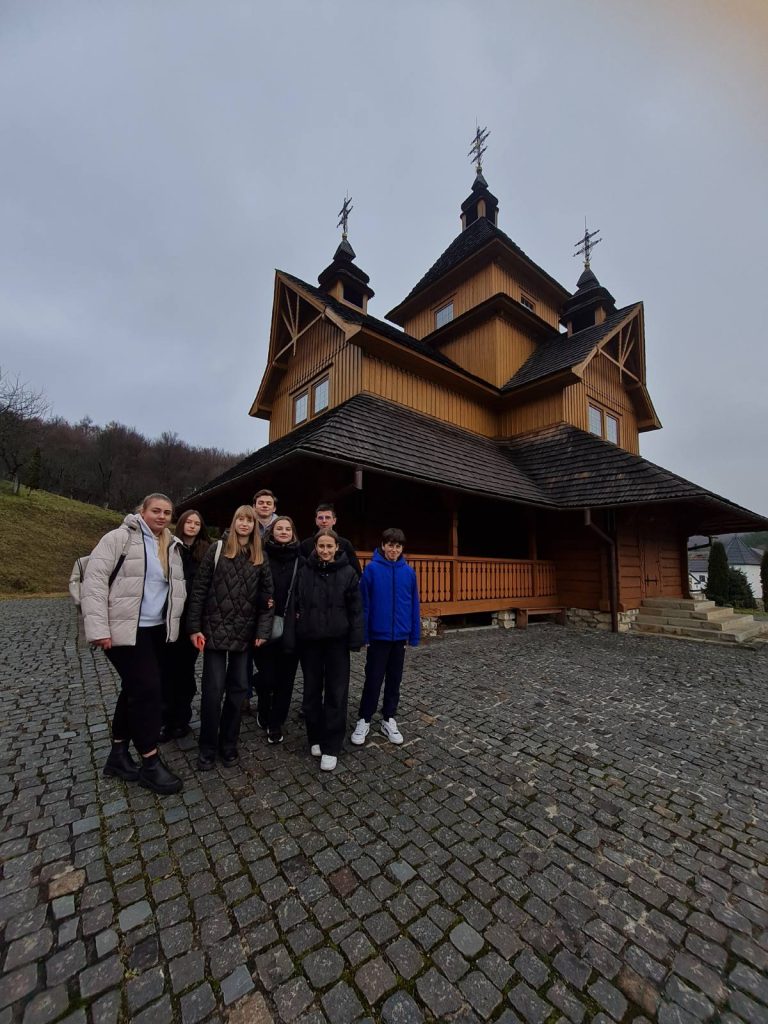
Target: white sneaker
[361,731]
[315,750]
[390,730]
[327,763]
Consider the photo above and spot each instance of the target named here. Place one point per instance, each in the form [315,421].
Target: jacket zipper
[144,577]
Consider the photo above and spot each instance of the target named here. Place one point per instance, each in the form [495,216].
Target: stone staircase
[696,620]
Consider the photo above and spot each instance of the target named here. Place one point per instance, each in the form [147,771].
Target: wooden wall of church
[519,285]
[321,349]
[464,296]
[580,559]
[425,396]
[602,383]
[650,556]
[532,415]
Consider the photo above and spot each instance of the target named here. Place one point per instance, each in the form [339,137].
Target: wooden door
[651,577]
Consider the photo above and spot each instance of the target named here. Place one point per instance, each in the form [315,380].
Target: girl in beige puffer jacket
[132,620]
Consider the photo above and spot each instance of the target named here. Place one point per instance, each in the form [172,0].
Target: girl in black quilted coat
[278,660]
[229,610]
[329,625]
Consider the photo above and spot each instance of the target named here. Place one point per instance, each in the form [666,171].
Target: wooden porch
[454,586]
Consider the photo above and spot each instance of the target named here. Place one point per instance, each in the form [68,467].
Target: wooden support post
[454,550]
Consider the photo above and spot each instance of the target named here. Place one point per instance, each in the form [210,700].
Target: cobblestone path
[576,829]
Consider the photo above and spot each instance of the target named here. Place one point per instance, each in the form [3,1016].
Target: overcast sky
[160,159]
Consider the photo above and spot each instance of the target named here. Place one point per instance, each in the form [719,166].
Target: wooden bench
[523,614]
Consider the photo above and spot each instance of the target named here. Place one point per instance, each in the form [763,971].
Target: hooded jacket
[390,600]
[228,602]
[328,603]
[114,611]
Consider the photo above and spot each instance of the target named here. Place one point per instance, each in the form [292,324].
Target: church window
[444,315]
[611,429]
[300,408]
[528,303]
[595,420]
[320,396]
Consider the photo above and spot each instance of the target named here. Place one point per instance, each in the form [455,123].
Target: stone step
[728,623]
[736,636]
[694,614]
[678,602]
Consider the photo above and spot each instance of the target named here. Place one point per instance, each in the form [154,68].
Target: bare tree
[22,410]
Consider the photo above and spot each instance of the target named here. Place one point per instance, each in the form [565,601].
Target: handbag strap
[290,588]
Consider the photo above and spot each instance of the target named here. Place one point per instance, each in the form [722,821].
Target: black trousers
[179,684]
[383,664]
[142,670]
[224,677]
[325,665]
[274,683]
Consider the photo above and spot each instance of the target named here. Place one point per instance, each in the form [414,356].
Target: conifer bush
[717,575]
[739,591]
[764,579]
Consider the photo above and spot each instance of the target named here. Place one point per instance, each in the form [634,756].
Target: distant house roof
[738,552]
[556,467]
[470,241]
[561,352]
[698,563]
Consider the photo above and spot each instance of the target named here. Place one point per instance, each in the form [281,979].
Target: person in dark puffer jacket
[229,610]
[278,660]
[329,625]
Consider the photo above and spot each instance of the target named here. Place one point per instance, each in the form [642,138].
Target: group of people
[257,603]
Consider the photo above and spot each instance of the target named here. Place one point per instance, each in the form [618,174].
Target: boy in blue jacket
[390,620]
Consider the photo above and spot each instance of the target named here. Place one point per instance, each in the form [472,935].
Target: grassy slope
[41,535]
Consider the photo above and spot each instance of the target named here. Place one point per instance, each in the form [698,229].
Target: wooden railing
[444,580]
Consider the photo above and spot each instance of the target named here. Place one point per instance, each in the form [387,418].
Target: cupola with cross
[342,279]
[591,303]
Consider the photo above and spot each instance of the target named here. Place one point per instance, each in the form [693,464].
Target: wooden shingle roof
[558,467]
[561,352]
[470,241]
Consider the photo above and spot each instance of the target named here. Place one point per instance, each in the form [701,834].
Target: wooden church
[494,416]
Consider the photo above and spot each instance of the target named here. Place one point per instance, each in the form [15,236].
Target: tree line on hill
[113,466]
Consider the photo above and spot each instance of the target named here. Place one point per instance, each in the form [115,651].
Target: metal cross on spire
[585,245]
[344,213]
[478,147]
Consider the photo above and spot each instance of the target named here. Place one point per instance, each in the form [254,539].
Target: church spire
[590,303]
[342,279]
[480,202]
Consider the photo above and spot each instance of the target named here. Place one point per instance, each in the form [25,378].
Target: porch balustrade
[449,586]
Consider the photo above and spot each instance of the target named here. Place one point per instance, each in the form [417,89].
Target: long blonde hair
[252,547]
[166,537]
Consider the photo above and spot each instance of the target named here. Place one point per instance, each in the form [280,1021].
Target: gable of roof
[738,552]
[474,238]
[351,316]
[560,352]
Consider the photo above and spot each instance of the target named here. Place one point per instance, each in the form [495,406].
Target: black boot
[120,764]
[154,775]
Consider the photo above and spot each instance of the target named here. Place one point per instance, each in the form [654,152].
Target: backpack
[77,575]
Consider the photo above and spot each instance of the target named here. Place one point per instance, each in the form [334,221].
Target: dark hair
[202,541]
[325,506]
[326,532]
[262,493]
[393,536]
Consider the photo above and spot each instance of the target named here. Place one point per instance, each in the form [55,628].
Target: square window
[444,315]
[528,303]
[300,408]
[595,421]
[320,396]
[611,429]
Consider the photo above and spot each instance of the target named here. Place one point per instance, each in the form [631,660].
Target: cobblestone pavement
[576,829]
